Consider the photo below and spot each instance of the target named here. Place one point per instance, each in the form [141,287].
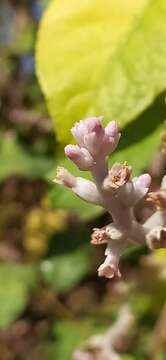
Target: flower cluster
[113,189]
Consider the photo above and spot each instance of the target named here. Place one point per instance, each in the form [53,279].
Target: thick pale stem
[121,215]
[100,171]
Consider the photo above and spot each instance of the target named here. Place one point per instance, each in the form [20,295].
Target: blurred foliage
[64,271]
[16,282]
[39,225]
[93,57]
[71,335]
[15,160]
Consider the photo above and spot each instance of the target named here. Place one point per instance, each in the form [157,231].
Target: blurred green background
[59,62]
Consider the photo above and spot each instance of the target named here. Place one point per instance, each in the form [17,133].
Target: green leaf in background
[24,38]
[15,284]
[63,198]
[15,161]
[76,45]
[68,241]
[64,271]
[104,57]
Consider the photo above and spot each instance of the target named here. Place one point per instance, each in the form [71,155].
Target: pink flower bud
[145,180]
[89,134]
[112,136]
[80,156]
[93,124]
[79,130]
[108,270]
[87,190]
[110,267]
[85,127]
[141,186]
[63,177]
[84,188]
[112,129]
[94,139]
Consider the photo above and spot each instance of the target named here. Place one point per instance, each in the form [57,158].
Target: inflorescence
[115,190]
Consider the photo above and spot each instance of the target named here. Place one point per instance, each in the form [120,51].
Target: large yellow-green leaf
[101,57]
[76,40]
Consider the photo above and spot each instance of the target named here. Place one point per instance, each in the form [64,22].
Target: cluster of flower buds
[93,140]
[115,190]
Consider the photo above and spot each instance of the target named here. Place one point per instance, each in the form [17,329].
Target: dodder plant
[115,190]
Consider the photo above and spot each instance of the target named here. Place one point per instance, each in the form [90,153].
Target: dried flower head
[118,176]
[99,236]
[158,198]
[157,238]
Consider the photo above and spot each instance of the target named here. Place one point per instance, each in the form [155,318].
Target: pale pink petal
[79,130]
[108,271]
[110,267]
[145,180]
[141,187]
[87,190]
[93,124]
[112,129]
[89,134]
[80,156]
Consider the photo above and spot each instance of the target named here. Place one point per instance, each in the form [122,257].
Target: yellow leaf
[76,42]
